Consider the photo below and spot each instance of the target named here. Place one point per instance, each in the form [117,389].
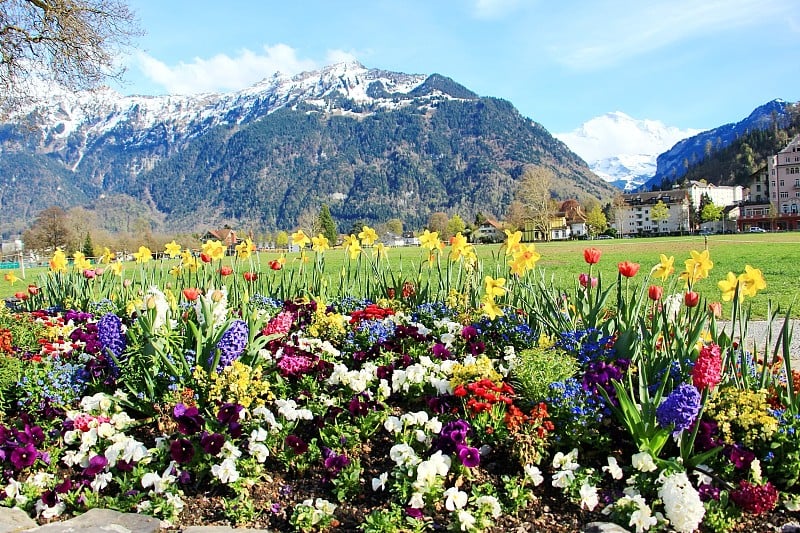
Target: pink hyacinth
[707,372]
[281,323]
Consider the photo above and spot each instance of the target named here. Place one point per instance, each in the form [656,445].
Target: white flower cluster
[426,372]
[422,426]
[288,409]
[321,509]
[682,503]
[641,514]
[215,303]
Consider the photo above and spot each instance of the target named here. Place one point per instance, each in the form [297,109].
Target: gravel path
[757,333]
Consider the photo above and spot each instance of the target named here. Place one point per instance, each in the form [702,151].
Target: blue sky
[687,63]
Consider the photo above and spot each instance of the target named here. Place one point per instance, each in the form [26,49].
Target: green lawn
[776,254]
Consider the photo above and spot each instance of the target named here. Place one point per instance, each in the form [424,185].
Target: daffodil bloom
[245,248]
[458,245]
[320,243]
[143,255]
[751,281]
[352,245]
[697,267]
[172,249]
[300,239]
[368,236]
[81,262]
[11,278]
[107,256]
[525,258]
[380,251]
[728,287]
[58,263]
[494,287]
[664,268]
[176,270]
[115,268]
[491,309]
[429,240]
[213,249]
[513,241]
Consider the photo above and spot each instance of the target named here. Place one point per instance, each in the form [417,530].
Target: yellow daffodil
[491,309]
[173,249]
[697,266]
[320,243]
[59,261]
[245,249]
[728,287]
[107,256]
[525,258]
[11,278]
[494,287]
[115,268]
[352,246]
[80,261]
[458,245]
[300,239]
[664,268]
[368,236]
[213,249]
[751,281]
[513,241]
[380,251]
[143,255]
[176,270]
[429,240]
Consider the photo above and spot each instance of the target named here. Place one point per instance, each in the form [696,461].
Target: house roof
[668,197]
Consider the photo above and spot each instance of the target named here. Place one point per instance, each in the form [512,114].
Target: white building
[637,210]
[721,196]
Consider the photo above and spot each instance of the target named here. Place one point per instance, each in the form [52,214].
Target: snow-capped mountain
[623,150]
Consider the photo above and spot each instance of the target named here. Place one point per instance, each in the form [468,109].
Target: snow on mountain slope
[623,150]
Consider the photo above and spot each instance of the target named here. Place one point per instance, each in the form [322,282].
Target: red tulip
[89,273]
[715,309]
[628,269]
[33,290]
[586,281]
[591,255]
[205,258]
[21,295]
[275,264]
[250,276]
[691,299]
[191,293]
[655,292]
[225,271]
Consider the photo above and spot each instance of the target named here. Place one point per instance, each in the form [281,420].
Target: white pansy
[447,339]
[491,503]
[258,435]
[417,501]
[101,481]
[447,367]
[121,420]
[442,385]
[420,435]
[47,512]
[226,471]
[399,381]
[563,478]
[258,450]
[420,417]
[613,468]
[230,451]
[566,461]
[380,481]
[589,498]
[466,520]
[393,424]
[384,390]
[175,501]
[403,455]
[702,471]
[455,499]
[533,473]
[41,480]
[105,430]
[415,373]
[72,437]
[643,462]
[89,438]
[434,425]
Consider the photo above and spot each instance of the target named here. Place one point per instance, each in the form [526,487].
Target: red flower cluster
[483,394]
[5,341]
[707,371]
[370,312]
[755,499]
[538,417]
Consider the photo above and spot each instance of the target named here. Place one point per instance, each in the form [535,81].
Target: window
[784,194]
[773,183]
[797,182]
[782,183]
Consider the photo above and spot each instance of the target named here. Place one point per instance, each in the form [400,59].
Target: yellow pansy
[299,238]
[368,236]
[664,268]
[11,278]
[143,255]
[173,249]
[513,241]
[58,263]
[728,287]
[320,243]
[429,240]
[213,249]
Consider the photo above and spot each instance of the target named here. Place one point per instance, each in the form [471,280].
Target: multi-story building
[721,196]
[637,213]
[774,199]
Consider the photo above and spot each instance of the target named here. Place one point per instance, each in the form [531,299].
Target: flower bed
[212,402]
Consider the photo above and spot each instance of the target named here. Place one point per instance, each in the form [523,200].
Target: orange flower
[591,255]
[191,293]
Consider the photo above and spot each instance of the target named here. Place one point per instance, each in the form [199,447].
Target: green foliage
[325,221]
[88,247]
[537,368]
[10,373]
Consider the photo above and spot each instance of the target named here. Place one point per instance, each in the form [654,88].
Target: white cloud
[633,28]
[222,73]
[488,9]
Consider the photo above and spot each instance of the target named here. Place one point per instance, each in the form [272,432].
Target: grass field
[776,254]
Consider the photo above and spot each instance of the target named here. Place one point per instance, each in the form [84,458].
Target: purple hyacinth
[109,333]
[680,408]
[232,343]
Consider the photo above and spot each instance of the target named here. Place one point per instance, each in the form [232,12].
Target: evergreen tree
[88,247]
[327,225]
